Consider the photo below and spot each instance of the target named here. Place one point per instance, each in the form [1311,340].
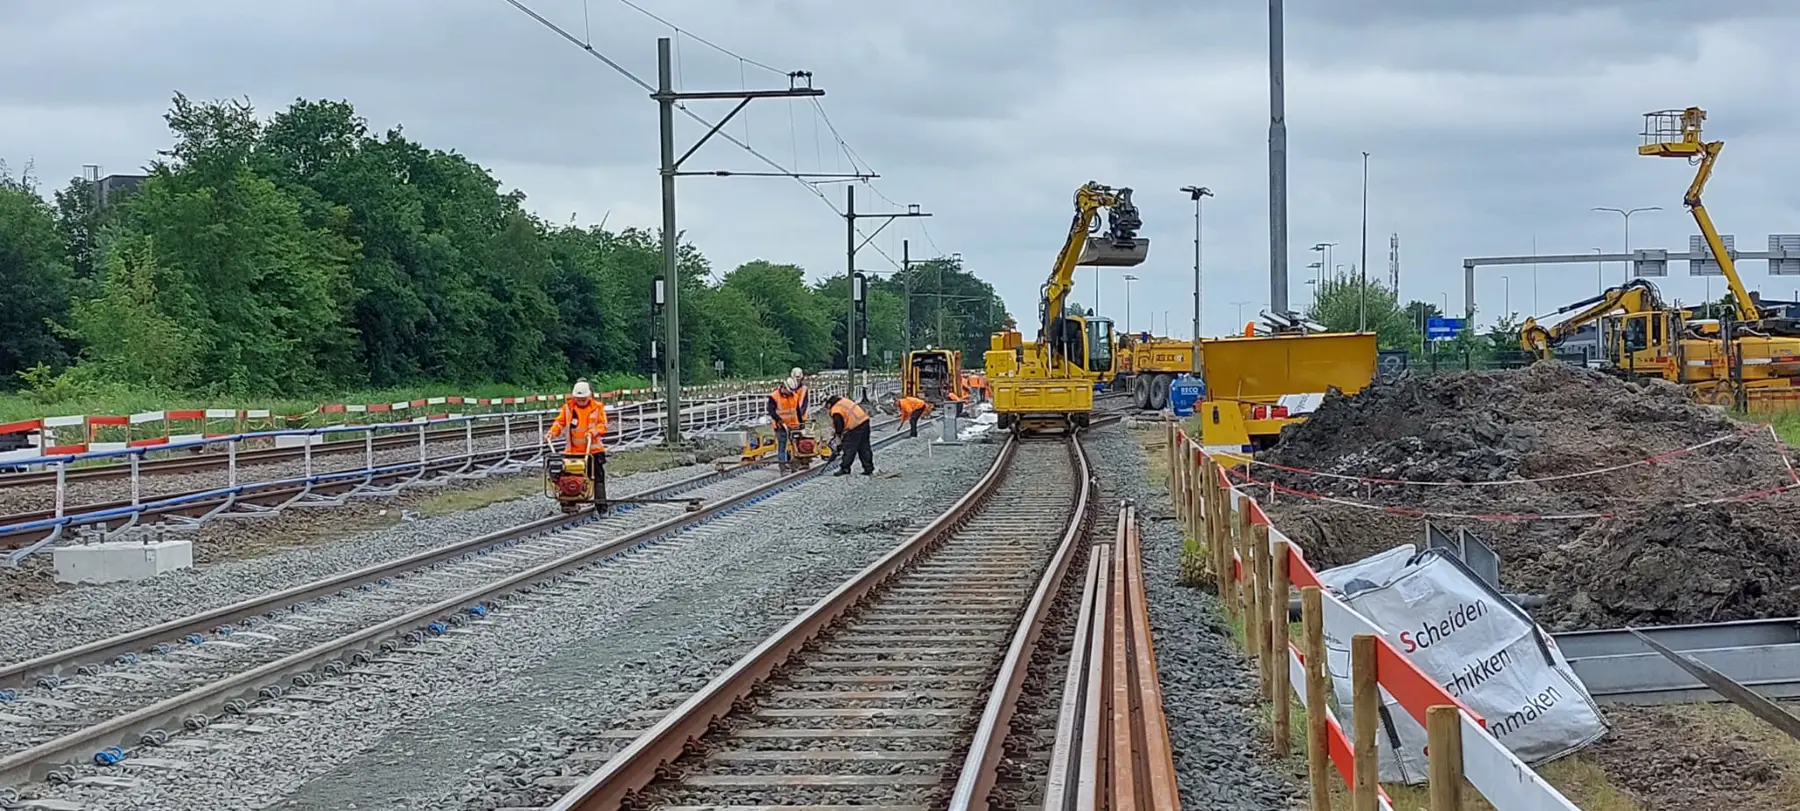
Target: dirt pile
[1648,560]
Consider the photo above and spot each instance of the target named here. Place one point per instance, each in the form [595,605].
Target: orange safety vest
[851,413]
[586,426]
[912,405]
[787,407]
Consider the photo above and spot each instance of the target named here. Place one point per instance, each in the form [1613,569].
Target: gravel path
[98,611]
[1222,755]
[552,671]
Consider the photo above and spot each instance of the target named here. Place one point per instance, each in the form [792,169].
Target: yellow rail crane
[1048,384]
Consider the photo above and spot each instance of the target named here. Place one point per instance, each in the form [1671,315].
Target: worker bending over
[584,418]
[911,410]
[850,425]
[787,412]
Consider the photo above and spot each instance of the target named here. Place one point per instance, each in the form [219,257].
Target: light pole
[1506,297]
[1599,283]
[1362,297]
[1314,284]
[1626,214]
[1319,266]
[1240,310]
[1128,280]
[1195,193]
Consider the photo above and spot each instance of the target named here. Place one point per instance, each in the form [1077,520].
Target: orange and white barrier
[1255,566]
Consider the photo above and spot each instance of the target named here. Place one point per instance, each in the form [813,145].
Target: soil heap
[1653,561]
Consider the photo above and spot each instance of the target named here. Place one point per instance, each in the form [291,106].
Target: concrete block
[114,561]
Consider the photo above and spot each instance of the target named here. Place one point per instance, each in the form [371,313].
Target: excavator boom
[1635,296]
[1677,134]
[1117,246]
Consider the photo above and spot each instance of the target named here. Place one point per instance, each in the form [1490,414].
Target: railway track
[120,698]
[896,691]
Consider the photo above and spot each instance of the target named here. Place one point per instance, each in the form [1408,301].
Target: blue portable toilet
[1184,392]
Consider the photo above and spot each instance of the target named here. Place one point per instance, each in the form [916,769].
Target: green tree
[35,275]
[1342,301]
[129,334]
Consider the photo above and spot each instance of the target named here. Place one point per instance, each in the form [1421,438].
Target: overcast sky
[1490,124]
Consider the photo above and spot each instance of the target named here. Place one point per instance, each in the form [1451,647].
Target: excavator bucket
[1107,253]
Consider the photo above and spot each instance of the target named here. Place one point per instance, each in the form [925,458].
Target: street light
[1362,295]
[1240,310]
[1195,193]
[1324,251]
[1128,280]
[1626,214]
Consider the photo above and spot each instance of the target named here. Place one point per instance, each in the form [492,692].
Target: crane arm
[1117,247]
[1635,296]
[1746,305]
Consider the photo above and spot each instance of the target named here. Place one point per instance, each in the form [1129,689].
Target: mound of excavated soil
[1651,561]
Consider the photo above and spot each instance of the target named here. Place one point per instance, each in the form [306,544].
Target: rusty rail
[1112,746]
[651,757]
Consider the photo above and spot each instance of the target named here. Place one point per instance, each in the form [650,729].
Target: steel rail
[203,461]
[141,726]
[104,650]
[642,761]
[986,749]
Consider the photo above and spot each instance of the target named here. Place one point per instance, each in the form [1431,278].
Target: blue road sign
[1438,329]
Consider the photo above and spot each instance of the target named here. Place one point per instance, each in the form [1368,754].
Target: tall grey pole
[850,282]
[1362,303]
[1278,237]
[672,285]
[906,277]
[1197,199]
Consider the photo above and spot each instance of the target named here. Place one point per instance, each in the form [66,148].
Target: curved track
[897,690]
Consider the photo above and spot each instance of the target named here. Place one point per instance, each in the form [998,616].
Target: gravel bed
[160,676]
[94,612]
[553,671]
[1210,692]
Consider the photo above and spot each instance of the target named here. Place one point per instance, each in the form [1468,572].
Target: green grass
[1787,426]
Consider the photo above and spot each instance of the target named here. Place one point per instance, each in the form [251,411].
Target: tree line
[306,253]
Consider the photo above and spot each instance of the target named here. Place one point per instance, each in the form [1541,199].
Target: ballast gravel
[1210,693]
[491,717]
[95,612]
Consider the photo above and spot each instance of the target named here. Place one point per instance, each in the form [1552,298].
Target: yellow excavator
[1048,384]
[1746,361]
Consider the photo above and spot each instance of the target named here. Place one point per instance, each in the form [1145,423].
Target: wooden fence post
[1365,692]
[1282,697]
[1241,543]
[1265,592]
[1218,531]
[1443,735]
[1318,692]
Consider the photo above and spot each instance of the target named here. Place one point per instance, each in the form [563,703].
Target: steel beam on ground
[1618,668]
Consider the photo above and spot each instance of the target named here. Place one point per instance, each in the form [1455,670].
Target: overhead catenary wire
[782,171]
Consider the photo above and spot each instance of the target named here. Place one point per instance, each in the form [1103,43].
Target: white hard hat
[795,373]
[582,390]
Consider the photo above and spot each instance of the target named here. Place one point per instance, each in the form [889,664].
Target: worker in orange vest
[912,409]
[850,425]
[787,412]
[584,418]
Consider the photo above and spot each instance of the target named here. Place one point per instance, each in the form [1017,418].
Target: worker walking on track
[787,412]
[850,424]
[584,418]
[911,410]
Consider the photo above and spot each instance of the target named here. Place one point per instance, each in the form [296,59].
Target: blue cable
[7,694]
[109,756]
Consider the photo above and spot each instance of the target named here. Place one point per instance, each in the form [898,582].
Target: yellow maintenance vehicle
[1751,361]
[1145,365]
[1258,384]
[935,376]
[1048,384]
